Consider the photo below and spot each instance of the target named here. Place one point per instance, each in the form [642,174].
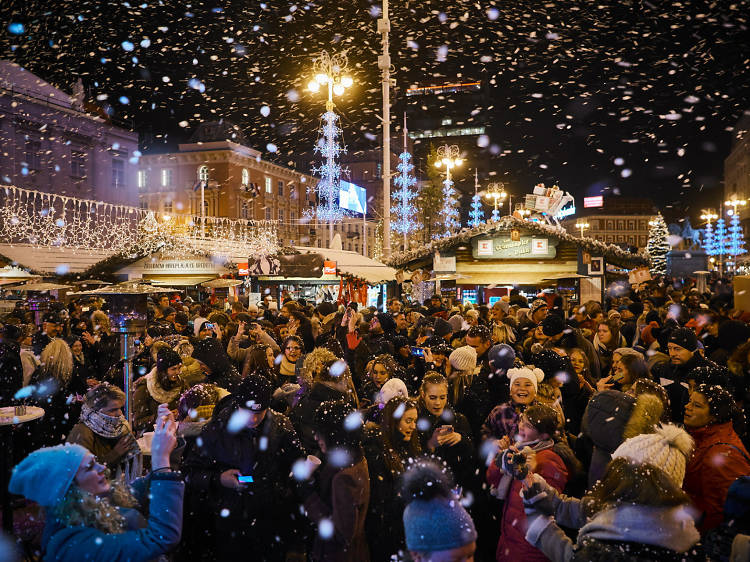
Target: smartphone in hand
[245,479]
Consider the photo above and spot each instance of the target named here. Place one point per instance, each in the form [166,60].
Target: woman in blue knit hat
[90,517]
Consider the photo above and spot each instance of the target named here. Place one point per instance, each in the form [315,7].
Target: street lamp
[449,158]
[496,192]
[734,203]
[330,71]
[582,225]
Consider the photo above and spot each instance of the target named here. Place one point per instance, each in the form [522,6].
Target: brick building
[622,221]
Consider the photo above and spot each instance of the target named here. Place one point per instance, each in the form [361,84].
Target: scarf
[102,424]
[158,393]
[287,368]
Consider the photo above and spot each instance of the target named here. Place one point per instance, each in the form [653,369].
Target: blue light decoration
[404,210]
[450,208]
[709,242]
[720,238]
[736,236]
[328,209]
[476,215]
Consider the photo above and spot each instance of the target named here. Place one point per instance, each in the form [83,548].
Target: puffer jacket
[719,458]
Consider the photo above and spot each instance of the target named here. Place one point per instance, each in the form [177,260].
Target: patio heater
[128,317]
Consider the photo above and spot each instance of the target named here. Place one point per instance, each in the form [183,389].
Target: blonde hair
[100,318]
[57,360]
[78,508]
[502,333]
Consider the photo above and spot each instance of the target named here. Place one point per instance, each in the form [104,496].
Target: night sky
[635,98]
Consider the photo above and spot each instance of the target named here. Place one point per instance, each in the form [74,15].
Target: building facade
[621,221]
[737,166]
[50,143]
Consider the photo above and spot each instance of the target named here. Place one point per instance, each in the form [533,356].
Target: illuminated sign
[329,267]
[243,269]
[353,198]
[597,201]
[503,247]
[566,212]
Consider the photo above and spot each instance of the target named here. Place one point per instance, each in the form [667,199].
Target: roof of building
[611,252]
[218,131]
[18,79]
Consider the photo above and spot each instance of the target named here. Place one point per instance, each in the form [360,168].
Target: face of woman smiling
[90,476]
[408,424]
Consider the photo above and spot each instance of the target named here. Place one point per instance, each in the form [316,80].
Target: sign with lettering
[329,267]
[443,264]
[183,267]
[242,269]
[503,247]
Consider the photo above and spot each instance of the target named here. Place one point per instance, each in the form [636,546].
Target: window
[166,177]
[268,185]
[118,173]
[268,213]
[245,176]
[620,225]
[631,225]
[33,155]
[281,215]
[203,173]
[292,191]
[167,206]
[280,186]
[292,216]
[78,164]
[143,204]
[141,179]
[610,225]
[379,170]
[244,209]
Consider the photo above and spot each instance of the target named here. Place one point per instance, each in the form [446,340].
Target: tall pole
[329,158]
[403,202]
[203,209]
[384,63]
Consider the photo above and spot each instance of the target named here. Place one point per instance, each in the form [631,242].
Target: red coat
[512,545]
[712,469]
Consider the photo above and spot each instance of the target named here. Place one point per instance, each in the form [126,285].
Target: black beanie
[253,393]
[552,325]
[167,358]
[684,337]
[386,322]
[551,363]
[442,328]
[210,352]
[636,308]
[543,418]
[721,405]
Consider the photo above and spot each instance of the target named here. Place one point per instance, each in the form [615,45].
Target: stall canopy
[354,264]
[10,275]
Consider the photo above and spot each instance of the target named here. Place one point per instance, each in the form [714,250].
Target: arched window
[245,176]
[203,173]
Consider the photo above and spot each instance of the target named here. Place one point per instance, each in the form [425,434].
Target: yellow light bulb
[313,86]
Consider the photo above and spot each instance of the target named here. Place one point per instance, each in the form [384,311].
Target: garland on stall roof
[507,223]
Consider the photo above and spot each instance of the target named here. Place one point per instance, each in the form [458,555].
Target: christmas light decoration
[49,220]
[736,236]
[476,215]
[404,211]
[329,71]
[658,245]
[720,238]
[708,240]
[448,156]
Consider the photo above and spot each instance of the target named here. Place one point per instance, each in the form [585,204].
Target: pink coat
[512,545]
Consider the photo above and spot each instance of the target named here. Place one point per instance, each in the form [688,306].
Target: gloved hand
[540,496]
[513,462]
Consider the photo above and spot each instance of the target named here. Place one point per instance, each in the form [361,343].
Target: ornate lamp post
[582,225]
[448,158]
[496,192]
[330,71]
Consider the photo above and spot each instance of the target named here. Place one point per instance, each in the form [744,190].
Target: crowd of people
[525,430]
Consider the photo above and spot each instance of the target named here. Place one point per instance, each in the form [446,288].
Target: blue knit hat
[46,474]
[434,519]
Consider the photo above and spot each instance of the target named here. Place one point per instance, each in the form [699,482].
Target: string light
[49,220]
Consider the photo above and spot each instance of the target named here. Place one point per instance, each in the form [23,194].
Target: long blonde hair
[100,318]
[57,361]
[78,508]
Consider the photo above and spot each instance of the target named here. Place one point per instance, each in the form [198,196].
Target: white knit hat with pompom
[668,448]
[534,374]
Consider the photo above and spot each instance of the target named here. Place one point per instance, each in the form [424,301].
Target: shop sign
[329,267]
[443,264]
[242,269]
[182,267]
[504,247]
[295,265]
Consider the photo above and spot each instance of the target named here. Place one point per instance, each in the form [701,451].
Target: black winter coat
[248,520]
[302,415]
[11,372]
